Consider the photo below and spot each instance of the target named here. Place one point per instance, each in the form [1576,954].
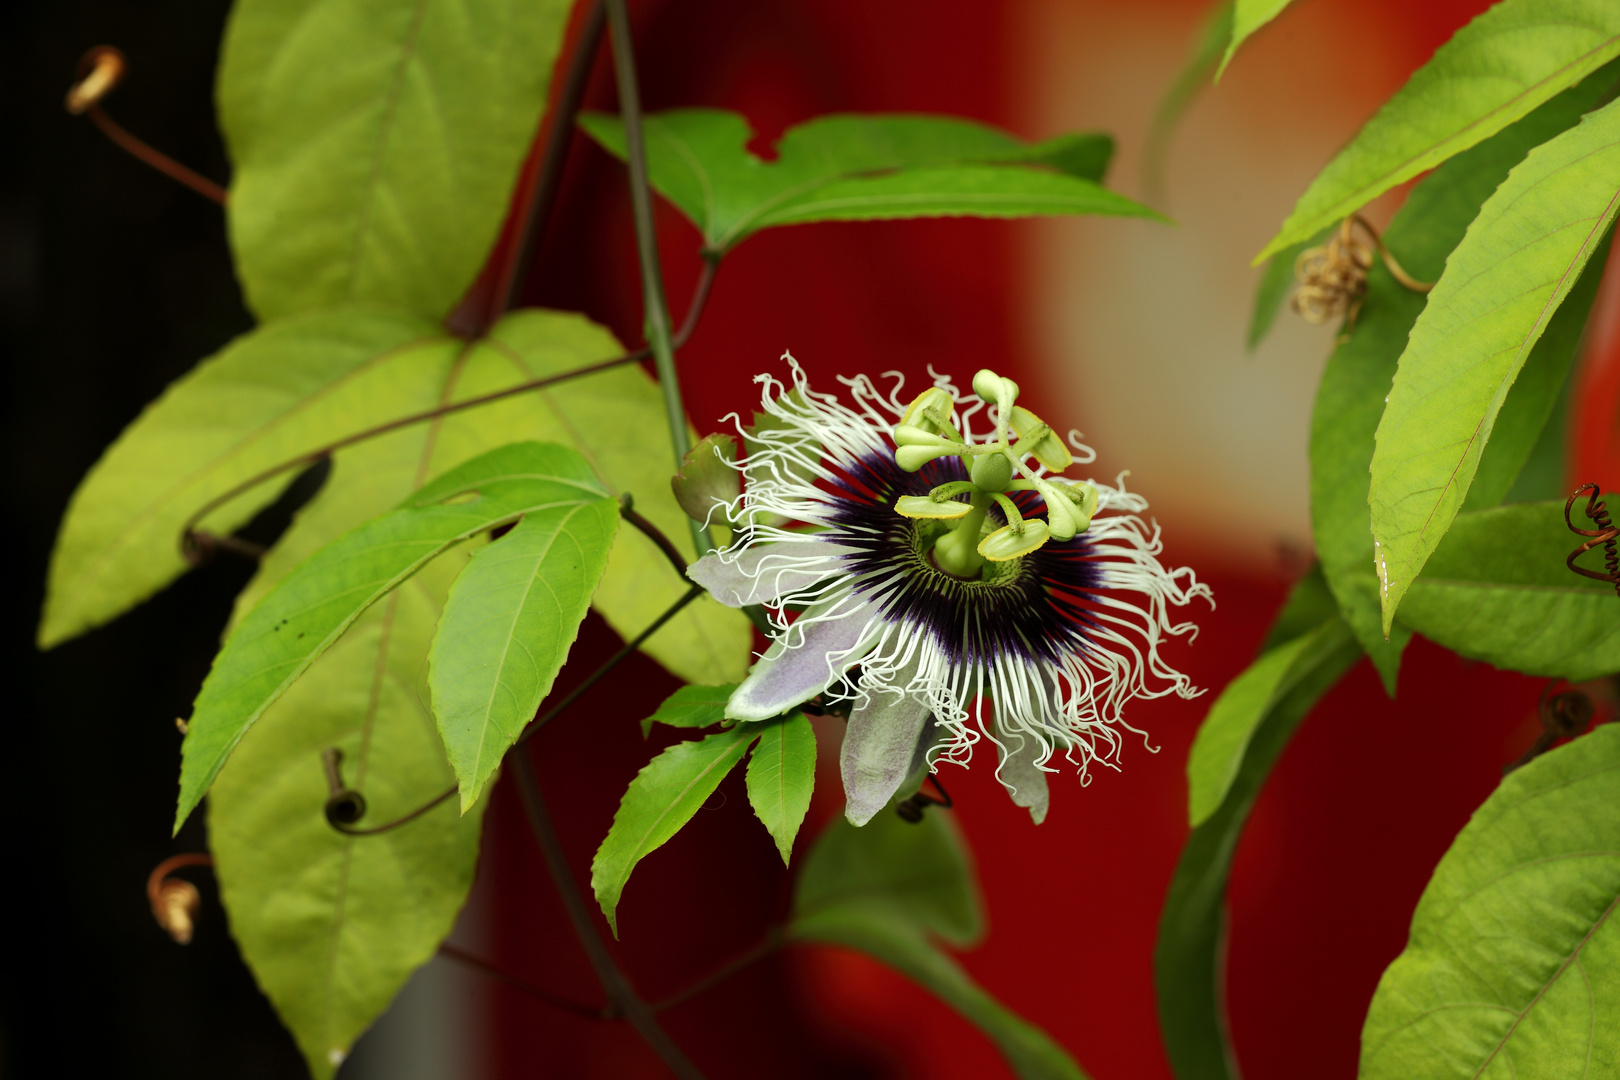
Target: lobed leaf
[1510,59]
[884,889]
[511,618]
[1503,283]
[691,707]
[1513,965]
[334,925]
[660,800]
[271,395]
[1498,590]
[375,144]
[861,168]
[1188,959]
[781,778]
[309,609]
[1350,400]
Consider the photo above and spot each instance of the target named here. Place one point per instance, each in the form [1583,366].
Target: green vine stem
[625,1001]
[652,278]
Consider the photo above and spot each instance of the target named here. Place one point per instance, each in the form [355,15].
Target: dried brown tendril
[1333,277]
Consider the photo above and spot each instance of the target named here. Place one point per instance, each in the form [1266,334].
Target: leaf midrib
[125,536]
[407,52]
[517,614]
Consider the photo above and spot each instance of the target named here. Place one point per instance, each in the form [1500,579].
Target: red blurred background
[127,284]
[1342,842]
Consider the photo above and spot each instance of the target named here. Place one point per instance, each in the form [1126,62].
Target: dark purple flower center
[1036,607]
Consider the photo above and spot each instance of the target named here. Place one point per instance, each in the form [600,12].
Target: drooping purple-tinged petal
[766,572]
[801,664]
[880,744]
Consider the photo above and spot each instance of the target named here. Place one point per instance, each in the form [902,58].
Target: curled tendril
[1333,277]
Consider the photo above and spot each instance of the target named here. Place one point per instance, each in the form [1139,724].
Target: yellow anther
[923,506]
[1012,541]
[1037,439]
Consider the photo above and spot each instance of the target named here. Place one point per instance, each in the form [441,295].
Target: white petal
[801,663]
[764,573]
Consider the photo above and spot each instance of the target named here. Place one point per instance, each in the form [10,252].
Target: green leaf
[1513,965]
[660,800]
[1498,590]
[1208,42]
[1544,473]
[781,776]
[375,144]
[1350,401]
[512,616]
[333,925]
[294,386]
[920,873]
[617,420]
[369,696]
[1247,17]
[1541,385]
[311,607]
[1510,59]
[1223,739]
[883,889]
[268,397]
[861,168]
[1188,957]
[691,707]
[1503,283]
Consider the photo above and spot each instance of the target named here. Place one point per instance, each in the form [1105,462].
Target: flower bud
[706,478]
